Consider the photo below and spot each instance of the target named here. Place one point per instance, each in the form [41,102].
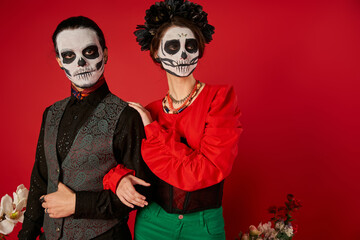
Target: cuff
[113,177]
[83,203]
[152,129]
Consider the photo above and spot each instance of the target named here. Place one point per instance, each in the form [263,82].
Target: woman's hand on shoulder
[127,193]
[145,114]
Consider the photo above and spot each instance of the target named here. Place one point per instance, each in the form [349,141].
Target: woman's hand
[127,193]
[59,204]
[145,114]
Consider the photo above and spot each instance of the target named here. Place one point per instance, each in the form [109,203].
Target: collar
[80,95]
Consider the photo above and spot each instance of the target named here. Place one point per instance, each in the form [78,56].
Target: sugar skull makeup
[81,56]
[178,51]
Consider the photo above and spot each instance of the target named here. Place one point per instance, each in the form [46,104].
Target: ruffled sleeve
[113,177]
[191,169]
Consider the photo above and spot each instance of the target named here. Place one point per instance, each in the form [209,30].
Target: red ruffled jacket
[194,149]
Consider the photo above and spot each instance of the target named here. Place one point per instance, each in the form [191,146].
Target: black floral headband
[162,12]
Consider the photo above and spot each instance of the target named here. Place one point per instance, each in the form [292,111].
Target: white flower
[6,209]
[288,230]
[264,227]
[20,199]
[11,211]
[267,230]
[271,234]
[279,225]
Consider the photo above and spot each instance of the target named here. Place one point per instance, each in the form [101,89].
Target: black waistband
[175,200]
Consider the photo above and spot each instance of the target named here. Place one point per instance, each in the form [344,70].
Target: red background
[295,68]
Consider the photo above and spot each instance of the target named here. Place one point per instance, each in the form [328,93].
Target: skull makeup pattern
[178,51]
[81,55]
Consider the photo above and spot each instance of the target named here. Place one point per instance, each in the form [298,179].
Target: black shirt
[101,205]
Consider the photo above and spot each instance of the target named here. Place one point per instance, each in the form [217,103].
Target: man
[82,137]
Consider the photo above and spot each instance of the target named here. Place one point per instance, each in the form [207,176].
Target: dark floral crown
[163,12]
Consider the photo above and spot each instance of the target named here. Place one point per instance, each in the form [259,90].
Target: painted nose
[183,55]
[81,62]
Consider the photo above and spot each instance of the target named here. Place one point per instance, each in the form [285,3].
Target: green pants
[153,223]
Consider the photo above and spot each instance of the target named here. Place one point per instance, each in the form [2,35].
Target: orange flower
[253,231]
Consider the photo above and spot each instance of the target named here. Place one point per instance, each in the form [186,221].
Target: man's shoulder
[131,114]
[54,106]
[59,102]
[112,98]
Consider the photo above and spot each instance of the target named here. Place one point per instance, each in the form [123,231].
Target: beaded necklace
[187,101]
[179,101]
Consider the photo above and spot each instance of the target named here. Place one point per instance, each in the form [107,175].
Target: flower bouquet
[283,228]
[12,211]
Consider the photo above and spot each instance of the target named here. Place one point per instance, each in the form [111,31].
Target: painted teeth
[84,76]
[183,69]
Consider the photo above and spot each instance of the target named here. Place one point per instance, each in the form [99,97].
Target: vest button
[57,229]
[181,217]
[57,170]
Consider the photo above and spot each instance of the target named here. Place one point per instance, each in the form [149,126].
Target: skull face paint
[81,56]
[178,51]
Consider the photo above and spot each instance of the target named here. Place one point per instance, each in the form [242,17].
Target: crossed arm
[177,163]
[65,202]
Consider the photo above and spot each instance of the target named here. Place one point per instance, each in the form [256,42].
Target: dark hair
[75,23]
[179,22]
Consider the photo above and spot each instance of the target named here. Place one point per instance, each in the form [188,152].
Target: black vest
[89,159]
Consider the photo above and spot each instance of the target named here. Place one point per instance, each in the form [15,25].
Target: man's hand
[127,193]
[60,203]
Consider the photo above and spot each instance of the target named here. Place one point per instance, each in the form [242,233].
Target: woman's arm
[189,169]
[121,180]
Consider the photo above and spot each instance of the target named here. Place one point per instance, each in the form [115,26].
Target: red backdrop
[295,68]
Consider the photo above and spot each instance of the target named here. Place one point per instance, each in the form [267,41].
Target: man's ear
[105,55]
[59,62]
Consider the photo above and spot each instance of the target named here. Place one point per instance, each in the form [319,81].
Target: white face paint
[179,51]
[81,55]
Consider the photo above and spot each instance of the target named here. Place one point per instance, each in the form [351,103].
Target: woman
[191,134]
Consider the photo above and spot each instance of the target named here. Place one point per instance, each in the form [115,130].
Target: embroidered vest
[89,159]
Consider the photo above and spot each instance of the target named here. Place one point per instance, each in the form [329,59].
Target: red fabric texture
[211,128]
[113,177]
[194,149]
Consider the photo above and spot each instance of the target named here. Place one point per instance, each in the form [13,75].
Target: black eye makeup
[172,46]
[91,52]
[68,56]
[191,45]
